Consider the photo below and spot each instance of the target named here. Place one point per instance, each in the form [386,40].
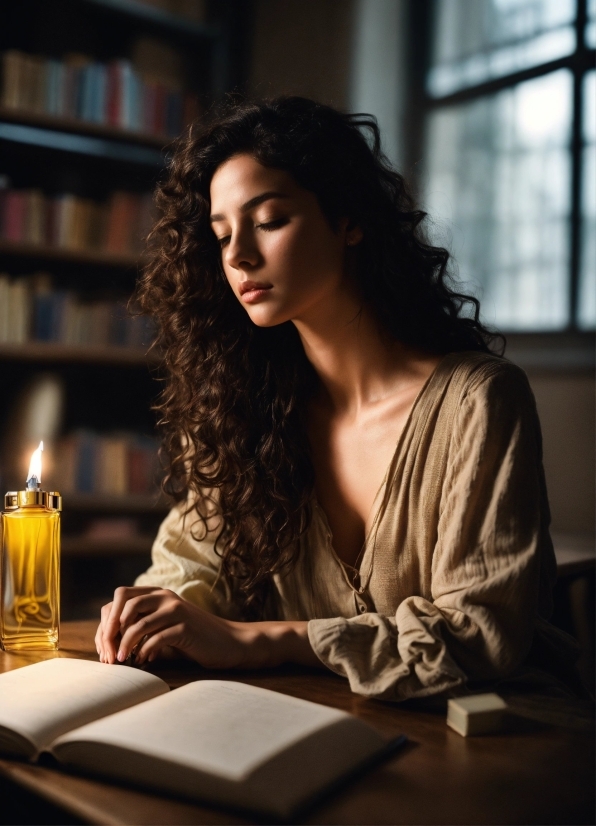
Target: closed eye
[271,225]
[267,226]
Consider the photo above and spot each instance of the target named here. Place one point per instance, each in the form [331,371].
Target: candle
[30,565]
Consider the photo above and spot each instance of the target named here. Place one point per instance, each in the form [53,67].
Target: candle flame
[35,464]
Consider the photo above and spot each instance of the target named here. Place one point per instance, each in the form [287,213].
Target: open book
[226,742]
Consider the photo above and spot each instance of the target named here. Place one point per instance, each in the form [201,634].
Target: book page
[224,728]
[42,701]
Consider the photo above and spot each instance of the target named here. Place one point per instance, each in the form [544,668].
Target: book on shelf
[115,464]
[113,94]
[112,528]
[15,310]
[117,226]
[214,740]
[31,309]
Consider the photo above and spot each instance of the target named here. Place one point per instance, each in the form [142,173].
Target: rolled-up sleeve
[492,563]
[184,560]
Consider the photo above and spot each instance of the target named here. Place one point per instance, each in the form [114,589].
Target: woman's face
[279,253]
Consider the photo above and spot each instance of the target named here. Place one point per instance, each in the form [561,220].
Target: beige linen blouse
[458,566]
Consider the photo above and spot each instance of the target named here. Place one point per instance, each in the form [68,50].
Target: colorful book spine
[13,215]
[114,464]
[54,102]
[15,310]
[32,310]
[113,94]
[69,222]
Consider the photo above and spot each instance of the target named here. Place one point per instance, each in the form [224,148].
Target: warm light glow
[35,464]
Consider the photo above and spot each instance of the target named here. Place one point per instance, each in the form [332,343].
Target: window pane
[477,40]
[587,280]
[499,182]
[591,25]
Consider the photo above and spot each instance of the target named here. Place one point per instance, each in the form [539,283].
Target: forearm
[267,644]
[154,622]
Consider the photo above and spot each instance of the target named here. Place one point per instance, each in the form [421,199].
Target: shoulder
[473,377]
[483,394]
[488,400]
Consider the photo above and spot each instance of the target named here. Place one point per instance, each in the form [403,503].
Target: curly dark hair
[233,406]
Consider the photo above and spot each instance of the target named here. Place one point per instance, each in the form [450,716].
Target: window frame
[421,104]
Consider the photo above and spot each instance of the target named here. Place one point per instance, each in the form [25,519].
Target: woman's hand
[156,620]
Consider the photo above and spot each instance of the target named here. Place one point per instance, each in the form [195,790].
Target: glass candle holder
[30,571]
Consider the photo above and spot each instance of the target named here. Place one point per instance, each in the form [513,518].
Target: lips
[253,286]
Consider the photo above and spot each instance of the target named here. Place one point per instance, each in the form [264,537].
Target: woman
[358,477]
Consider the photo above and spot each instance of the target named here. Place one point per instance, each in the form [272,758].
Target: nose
[241,252]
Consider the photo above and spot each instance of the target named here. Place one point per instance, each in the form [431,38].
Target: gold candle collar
[32,498]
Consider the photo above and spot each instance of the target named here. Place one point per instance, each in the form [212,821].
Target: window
[587,280]
[510,170]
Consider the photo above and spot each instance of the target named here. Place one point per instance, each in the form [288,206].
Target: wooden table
[538,774]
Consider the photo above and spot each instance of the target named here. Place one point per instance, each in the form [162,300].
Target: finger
[135,607]
[121,597]
[148,624]
[111,635]
[99,643]
[166,638]
[105,642]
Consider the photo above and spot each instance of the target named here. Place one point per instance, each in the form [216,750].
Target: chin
[267,317]
[268,322]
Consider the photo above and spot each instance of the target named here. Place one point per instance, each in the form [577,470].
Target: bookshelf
[87,140]
[48,352]
[110,388]
[163,20]
[23,117]
[106,503]
[85,546]
[43,252]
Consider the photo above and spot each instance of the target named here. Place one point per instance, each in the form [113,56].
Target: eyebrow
[254,202]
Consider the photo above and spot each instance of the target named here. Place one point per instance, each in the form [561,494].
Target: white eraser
[476,714]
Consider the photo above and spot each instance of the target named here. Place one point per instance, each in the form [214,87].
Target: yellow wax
[30,604]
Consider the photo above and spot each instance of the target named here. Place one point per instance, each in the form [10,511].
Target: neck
[356,364]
